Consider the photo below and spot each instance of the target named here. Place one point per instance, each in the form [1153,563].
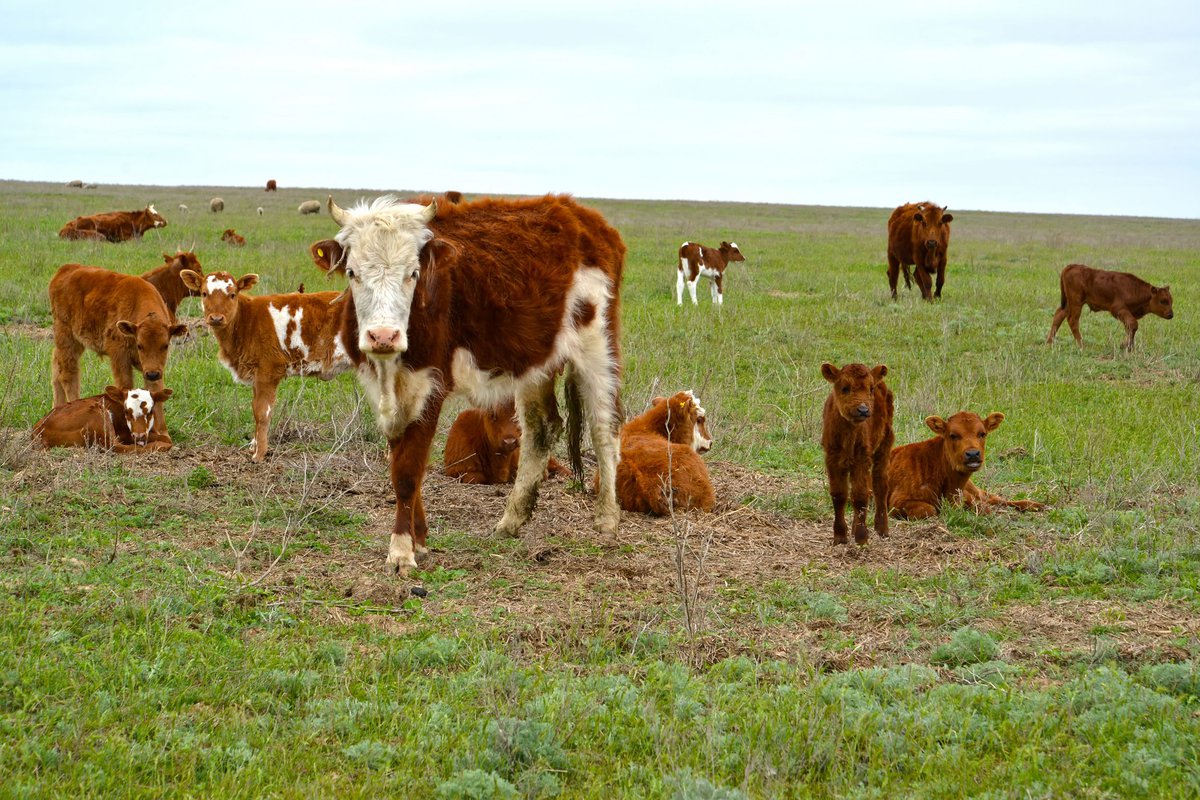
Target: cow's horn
[429,212]
[336,212]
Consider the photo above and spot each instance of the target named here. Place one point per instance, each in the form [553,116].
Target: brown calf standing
[857,438]
[233,238]
[1124,295]
[660,458]
[698,261]
[484,446]
[918,234]
[166,278]
[263,340]
[121,420]
[121,317]
[923,474]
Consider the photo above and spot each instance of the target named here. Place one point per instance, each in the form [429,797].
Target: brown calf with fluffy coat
[923,474]
[166,278]
[918,234]
[121,420]
[660,458]
[263,340]
[484,446]
[1124,295]
[857,438]
[121,317]
[233,238]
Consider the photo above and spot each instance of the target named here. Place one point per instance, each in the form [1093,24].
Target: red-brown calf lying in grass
[857,438]
[923,474]
[666,441]
[1124,295]
[121,420]
[232,237]
[484,446]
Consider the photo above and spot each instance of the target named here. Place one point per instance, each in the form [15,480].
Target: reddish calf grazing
[491,299]
[271,186]
[923,474]
[1124,295]
[115,226]
[918,234]
[263,340]
[121,420]
[232,237]
[166,278]
[660,462]
[697,261]
[857,438]
[484,446]
[119,316]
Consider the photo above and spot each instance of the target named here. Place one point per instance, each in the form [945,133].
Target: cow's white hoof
[401,558]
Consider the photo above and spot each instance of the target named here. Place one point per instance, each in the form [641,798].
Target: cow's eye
[845,390]
[954,437]
[204,294]
[983,434]
[349,273]
[416,273]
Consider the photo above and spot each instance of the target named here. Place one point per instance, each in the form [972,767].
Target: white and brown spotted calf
[697,261]
[266,339]
[121,420]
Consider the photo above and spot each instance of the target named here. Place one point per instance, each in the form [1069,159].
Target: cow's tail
[574,421]
[1062,290]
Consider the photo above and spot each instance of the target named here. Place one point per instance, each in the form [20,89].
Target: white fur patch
[294,341]
[237,378]
[400,552]
[215,284]
[134,401]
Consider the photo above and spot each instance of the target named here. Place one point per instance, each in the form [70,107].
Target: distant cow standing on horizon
[919,235]
[271,187]
[1122,294]
[697,261]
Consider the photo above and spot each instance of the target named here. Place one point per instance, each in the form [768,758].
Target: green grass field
[191,624]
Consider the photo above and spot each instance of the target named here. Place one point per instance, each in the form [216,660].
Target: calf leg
[1059,316]
[860,495]
[692,290]
[537,437]
[838,490]
[1131,326]
[158,431]
[679,286]
[893,273]
[65,366]
[1073,313]
[719,290]
[264,401]
[924,281]
[408,455]
[880,489]
[915,509]
[941,280]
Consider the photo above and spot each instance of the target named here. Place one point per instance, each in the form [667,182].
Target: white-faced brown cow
[697,261]
[490,299]
[265,339]
[119,316]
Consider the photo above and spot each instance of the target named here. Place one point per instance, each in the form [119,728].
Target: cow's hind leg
[540,426]
[1059,316]
[596,373]
[65,366]
[1073,313]
[893,273]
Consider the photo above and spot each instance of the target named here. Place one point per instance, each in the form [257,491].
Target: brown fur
[271,186]
[484,446]
[919,235]
[114,226]
[103,421]
[233,238]
[249,346]
[121,317]
[701,256]
[923,474]
[659,443]
[1124,295]
[857,438]
[166,278]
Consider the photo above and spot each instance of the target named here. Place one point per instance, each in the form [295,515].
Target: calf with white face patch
[265,339]
[121,420]
[492,299]
[697,261]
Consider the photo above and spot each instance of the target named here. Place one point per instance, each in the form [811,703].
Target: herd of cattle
[495,299]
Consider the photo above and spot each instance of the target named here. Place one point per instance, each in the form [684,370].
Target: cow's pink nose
[384,339]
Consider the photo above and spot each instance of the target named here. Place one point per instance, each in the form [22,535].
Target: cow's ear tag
[320,252]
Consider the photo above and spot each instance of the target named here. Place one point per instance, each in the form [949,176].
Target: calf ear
[830,372]
[247,281]
[947,218]
[177,330]
[936,424]
[128,328]
[168,259]
[114,394]
[880,371]
[191,279]
[992,421]
[162,395]
[329,256]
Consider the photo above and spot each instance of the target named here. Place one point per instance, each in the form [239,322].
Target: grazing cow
[265,339]
[309,207]
[918,234]
[484,446]
[216,204]
[271,187]
[119,316]
[697,261]
[923,474]
[1124,295]
[168,281]
[233,238]
[660,464]
[121,420]
[490,299]
[857,438]
[114,226]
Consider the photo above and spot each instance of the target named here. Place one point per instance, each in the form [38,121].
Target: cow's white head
[378,249]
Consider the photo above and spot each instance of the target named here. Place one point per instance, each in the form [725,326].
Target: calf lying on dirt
[923,474]
[665,441]
[1124,295]
[857,438]
[484,446]
[121,420]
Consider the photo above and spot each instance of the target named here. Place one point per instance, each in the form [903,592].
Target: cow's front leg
[408,455]
[838,489]
[692,290]
[860,493]
[924,281]
[941,279]
[264,402]
[1131,326]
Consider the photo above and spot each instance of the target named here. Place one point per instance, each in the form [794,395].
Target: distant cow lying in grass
[484,446]
[114,226]
[121,420]
[265,339]
[923,474]
[1124,295]
[857,438]
[233,238]
[666,440]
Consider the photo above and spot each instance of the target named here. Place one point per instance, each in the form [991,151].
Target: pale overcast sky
[1076,107]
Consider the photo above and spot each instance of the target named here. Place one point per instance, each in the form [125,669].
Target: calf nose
[216,319]
[384,338]
[931,244]
[863,410]
[153,376]
[973,454]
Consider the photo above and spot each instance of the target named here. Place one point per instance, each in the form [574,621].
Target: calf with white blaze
[697,261]
[121,420]
[491,299]
[265,339]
